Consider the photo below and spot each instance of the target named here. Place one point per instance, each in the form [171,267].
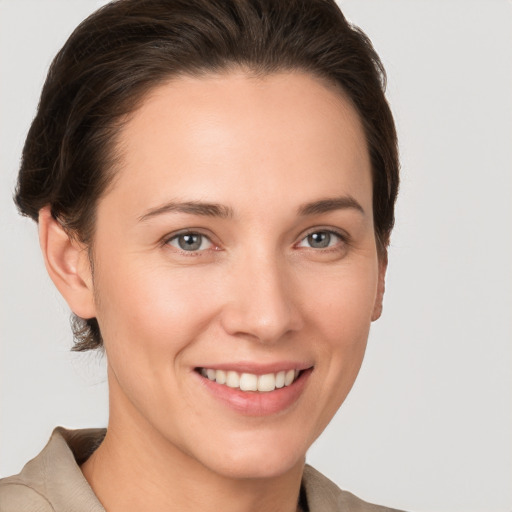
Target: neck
[135,469]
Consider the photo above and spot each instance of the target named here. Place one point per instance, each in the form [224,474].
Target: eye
[321,240]
[190,242]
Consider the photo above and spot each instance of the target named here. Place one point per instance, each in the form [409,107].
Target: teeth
[289,377]
[220,376]
[250,381]
[232,379]
[267,382]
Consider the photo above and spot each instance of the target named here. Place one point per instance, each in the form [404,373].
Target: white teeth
[289,377]
[220,376]
[267,382]
[232,379]
[280,376]
[250,381]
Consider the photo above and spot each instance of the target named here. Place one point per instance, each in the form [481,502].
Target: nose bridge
[261,303]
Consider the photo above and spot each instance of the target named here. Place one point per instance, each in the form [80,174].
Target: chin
[248,468]
[259,459]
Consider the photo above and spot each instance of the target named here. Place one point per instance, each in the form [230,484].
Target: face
[236,270]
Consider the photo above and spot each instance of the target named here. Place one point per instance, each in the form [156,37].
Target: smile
[250,381]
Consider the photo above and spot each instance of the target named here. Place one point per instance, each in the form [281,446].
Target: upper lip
[257,368]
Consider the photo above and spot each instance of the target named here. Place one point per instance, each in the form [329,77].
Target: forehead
[234,131]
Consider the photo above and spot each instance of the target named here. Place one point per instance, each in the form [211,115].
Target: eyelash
[167,241]
[343,239]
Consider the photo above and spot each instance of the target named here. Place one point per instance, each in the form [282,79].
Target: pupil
[319,240]
[190,242]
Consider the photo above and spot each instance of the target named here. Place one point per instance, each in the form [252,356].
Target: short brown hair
[128,47]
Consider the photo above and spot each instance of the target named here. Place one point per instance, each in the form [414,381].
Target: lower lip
[257,403]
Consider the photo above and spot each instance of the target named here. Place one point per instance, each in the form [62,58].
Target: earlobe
[67,264]
[381,286]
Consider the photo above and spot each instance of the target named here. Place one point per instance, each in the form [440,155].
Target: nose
[261,303]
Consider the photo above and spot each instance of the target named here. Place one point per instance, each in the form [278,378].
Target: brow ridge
[330,204]
[190,207]
[222,211]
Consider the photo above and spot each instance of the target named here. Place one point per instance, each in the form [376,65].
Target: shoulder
[53,481]
[323,495]
[17,496]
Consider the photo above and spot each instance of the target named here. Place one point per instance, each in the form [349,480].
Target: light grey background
[428,424]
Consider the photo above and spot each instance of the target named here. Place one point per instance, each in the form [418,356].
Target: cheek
[151,310]
[343,303]
[341,318]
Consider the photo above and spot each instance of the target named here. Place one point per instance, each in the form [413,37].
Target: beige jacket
[53,482]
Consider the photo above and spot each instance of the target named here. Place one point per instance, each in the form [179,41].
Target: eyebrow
[330,204]
[190,207]
[222,211]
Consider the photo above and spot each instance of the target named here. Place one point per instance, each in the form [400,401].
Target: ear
[381,287]
[67,263]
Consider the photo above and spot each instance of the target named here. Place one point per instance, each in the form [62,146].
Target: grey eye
[319,240]
[190,242]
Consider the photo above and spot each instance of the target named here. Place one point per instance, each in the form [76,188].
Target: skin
[257,291]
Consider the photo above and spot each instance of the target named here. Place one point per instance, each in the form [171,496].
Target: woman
[214,184]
